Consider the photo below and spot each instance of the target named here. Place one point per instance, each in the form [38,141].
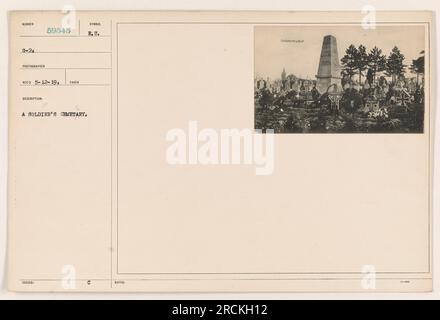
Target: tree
[354,61]
[376,61]
[418,66]
[394,65]
[361,61]
[348,61]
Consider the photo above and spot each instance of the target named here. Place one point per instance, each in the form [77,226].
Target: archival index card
[220,151]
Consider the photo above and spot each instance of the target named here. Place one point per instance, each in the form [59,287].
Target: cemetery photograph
[340,79]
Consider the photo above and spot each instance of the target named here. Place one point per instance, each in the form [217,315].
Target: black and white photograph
[340,79]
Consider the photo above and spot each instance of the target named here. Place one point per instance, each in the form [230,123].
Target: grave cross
[403,98]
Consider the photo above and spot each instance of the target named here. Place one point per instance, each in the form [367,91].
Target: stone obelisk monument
[329,70]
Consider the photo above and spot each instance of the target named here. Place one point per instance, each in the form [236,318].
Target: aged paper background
[97,194]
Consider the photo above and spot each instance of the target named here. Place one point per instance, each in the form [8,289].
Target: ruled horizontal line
[63,85]
[274,23]
[265,273]
[61,36]
[228,279]
[68,68]
[65,52]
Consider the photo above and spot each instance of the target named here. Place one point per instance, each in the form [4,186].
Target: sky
[298,48]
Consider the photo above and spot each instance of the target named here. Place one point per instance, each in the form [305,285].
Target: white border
[317,5]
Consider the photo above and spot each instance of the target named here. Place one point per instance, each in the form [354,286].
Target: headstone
[411,86]
[372,105]
[261,84]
